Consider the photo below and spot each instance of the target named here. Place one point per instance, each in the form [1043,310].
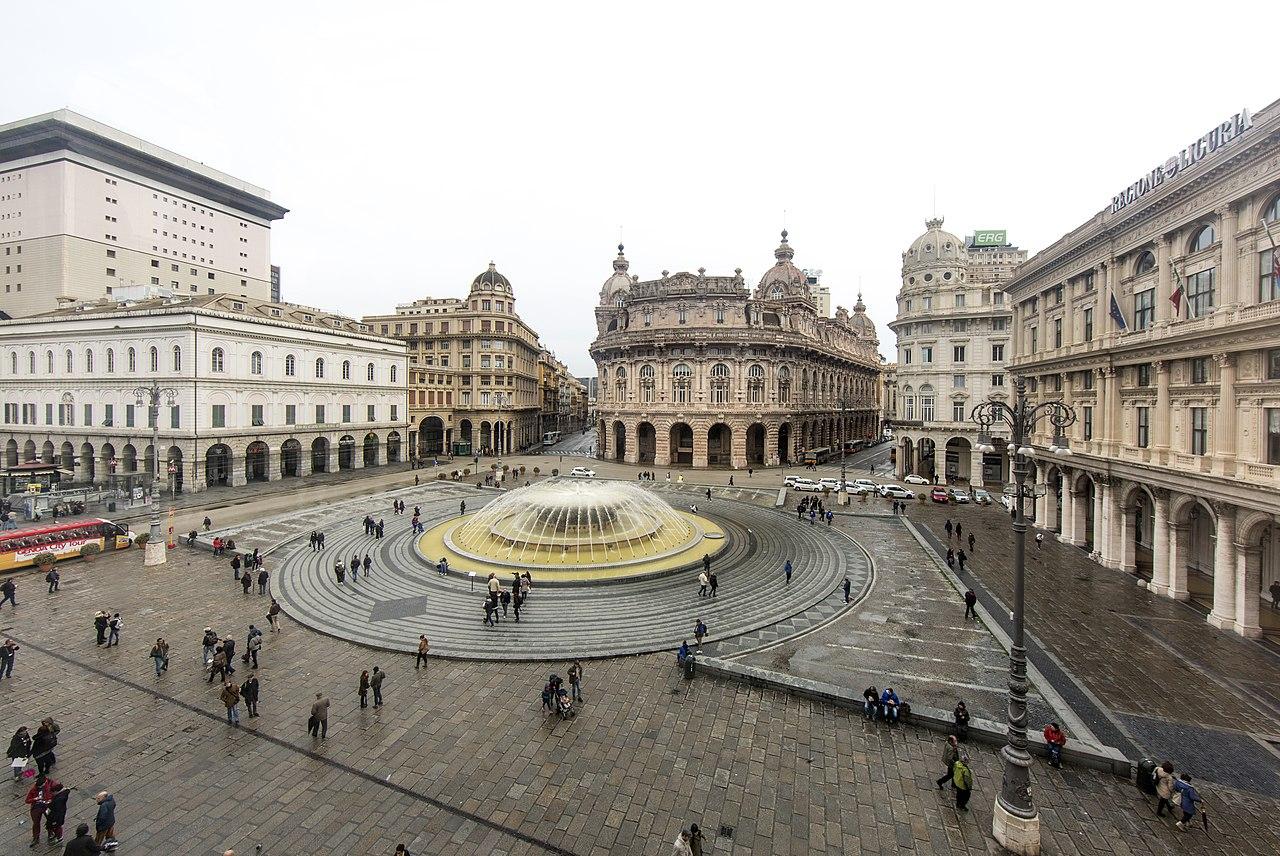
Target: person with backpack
[56,815]
[962,781]
[160,655]
[53,578]
[209,643]
[114,626]
[950,754]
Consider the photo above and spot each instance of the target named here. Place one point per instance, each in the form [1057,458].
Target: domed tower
[783,281]
[618,285]
[935,259]
[492,284]
[863,325]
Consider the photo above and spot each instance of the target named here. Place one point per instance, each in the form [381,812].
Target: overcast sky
[413,147]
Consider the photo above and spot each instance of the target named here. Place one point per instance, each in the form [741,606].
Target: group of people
[707,581]
[498,599]
[47,797]
[108,625]
[814,509]
[243,570]
[1168,788]
[886,705]
[556,699]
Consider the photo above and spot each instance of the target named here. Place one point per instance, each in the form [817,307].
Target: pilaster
[1248,582]
[1223,615]
[1160,545]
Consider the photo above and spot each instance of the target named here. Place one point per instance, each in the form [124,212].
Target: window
[70,360]
[1273,435]
[291,414]
[111,360]
[1057,332]
[1202,240]
[175,416]
[1200,370]
[155,359]
[1199,430]
[680,381]
[255,363]
[1200,293]
[1035,338]
[319,367]
[755,384]
[1058,292]
[784,385]
[219,416]
[1088,324]
[129,415]
[1088,423]
[290,366]
[108,415]
[959,299]
[369,372]
[999,324]
[997,380]
[997,298]
[370,413]
[1144,427]
[997,353]
[719,315]
[681,316]
[906,356]
[319,414]
[719,384]
[48,362]
[346,370]
[1273,364]
[957,411]
[957,353]
[1144,309]
[1088,379]
[1146,263]
[646,384]
[216,359]
[346,413]
[1268,282]
[1143,374]
[928,302]
[926,354]
[957,381]
[88,415]
[926,408]
[255,415]
[909,406]
[133,361]
[395,412]
[177,358]
[959,325]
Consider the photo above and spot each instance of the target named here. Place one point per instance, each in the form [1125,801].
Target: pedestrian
[575,680]
[209,642]
[959,529]
[960,721]
[714,584]
[235,566]
[516,600]
[462,508]
[368,563]
[10,593]
[364,689]
[948,527]
[971,542]
[42,746]
[218,665]
[695,834]
[526,584]
[813,516]
[114,626]
[730,481]
[39,797]
[970,601]
[1164,788]
[100,621]
[229,649]
[951,558]
[708,494]
[1054,739]
[252,647]
[318,724]
[320,538]
[699,631]
[273,615]
[263,578]
[682,847]
[82,844]
[8,654]
[160,655]
[962,781]
[1188,797]
[950,754]
[704,583]
[246,582]
[355,567]
[787,570]
[489,610]
[105,823]
[504,598]
[963,557]
[889,705]
[340,571]
[1275,594]
[249,692]
[375,684]
[231,700]
[847,586]
[56,815]
[207,524]
[1039,540]
[19,749]
[424,646]
[53,578]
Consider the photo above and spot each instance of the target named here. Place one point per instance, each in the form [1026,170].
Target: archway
[346,452]
[11,453]
[319,455]
[1054,498]
[925,463]
[1201,541]
[720,445]
[486,438]
[393,447]
[464,444]
[784,443]
[174,466]
[255,462]
[681,444]
[960,459]
[619,441]
[1139,523]
[110,464]
[29,451]
[431,436]
[755,445]
[67,458]
[646,443]
[87,461]
[129,459]
[907,464]
[217,465]
[46,453]
[290,459]
[1085,496]
[370,449]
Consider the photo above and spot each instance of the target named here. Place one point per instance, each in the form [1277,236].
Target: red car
[939,494]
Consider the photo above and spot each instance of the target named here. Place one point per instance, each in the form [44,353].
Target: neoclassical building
[1158,321]
[953,331]
[473,370]
[252,391]
[697,370]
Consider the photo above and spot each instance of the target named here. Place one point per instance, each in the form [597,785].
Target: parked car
[958,496]
[915,479]
[790,480]
[806,485]
[833,484]
[583,472]
[855,489]
[868,484]
[893,491]
[981,497]
[939,494]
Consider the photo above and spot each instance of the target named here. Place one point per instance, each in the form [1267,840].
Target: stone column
[699,446]
[1162,416]
[357,456]
[273,465]
[1160,545]
[1113,414]
[304,462]
[1069,502]
[1127,548]
[1179,548]
[1228,275]
[738,445]
[1164,281]
[631,449]
[1100,517]
[1223,615]
[332,466]
[1248,586]
[975,467]
[1224,435]
[662,446]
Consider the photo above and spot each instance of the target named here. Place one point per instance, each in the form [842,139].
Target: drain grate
[726,832]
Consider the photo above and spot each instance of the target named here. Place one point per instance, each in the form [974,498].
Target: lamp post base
[1016,834]
[154,553]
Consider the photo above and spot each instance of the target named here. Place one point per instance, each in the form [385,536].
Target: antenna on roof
[935,200]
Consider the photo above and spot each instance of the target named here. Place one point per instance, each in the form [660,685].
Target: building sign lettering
[1206,145]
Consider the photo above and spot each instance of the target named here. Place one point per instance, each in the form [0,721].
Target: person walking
[962,557]
[249,692]
[229,649]
[246,581]
[8,655]
[19,748]
[951,558]
[263,578]
[53,578]
[318,724]
[207,524]
[972,541]
[104,825]
[364,689]
[355,567]
[38,797]
[1188,797]
[160,656]
[375,684]
[114,626]
[1039,541]
[368,563]
[714,583]
[252,647]
[56,815]
[1275,594]
[273,615]
[706,563]
[82,844]
[948,527]
[42,746]
[959,531]
[10,593]
[424,646]
[218,665]
[970,601]
[704,583]
[695,834]
[1164,789]
[235,566]
[847,587]
[231,700]
[960,721]
[504,598]
[209,643]
[787,570]
[100,621]
[575,680]
[962,781]
[950,754]
[682,846]
[699,631]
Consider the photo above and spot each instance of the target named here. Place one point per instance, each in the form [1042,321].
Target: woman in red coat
[39,797]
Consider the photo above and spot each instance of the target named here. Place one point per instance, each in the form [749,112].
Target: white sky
[412,146]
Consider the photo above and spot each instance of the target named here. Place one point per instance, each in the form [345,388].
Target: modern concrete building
[700,371]
[275,283]
[86,209]
[1158,321]
[820,293]
[250,390]
[473,366]
[953,337]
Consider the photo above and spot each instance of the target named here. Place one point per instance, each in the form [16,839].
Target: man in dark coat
[82,844]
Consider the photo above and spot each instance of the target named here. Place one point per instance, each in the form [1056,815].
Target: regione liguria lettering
[1209,143]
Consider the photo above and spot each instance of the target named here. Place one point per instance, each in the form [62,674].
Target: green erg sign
[991,238]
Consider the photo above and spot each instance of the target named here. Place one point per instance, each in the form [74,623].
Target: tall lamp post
[1016,824]
[844,432]
[156,549]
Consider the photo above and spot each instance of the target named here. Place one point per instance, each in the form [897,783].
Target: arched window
[393,373]
[71,362]
[13,363]
[1203,239]
[619,300]
[346,370]
[620,384]
[111,360]
[48,362]
[88,361]
[755,384]
[681,379]
[31,362]
[719,384]
[319,367]
[177,358]
[369,372]
[784,385]
[133,360]
[155,358]
[290,366]
[646,383]
[775,293]
[216,360]
[255,363]
[1146,262]
[1272,214]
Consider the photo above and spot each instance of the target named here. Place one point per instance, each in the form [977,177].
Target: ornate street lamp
[1016,824]
[151,396]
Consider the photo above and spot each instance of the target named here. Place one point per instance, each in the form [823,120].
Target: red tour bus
[19,547]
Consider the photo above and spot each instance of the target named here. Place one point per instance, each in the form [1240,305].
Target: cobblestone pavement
[1166,675]
[461,761]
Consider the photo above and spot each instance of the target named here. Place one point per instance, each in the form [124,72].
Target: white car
[893,491]
[834,484]
[790,480]
[868,484]
[855,489]
[583,472]
[960,497]
[915,479]
[806,485]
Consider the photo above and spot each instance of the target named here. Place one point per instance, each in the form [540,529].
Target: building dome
[862,325]
[935,246]
[619,284]
[784,279]
[491,280]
